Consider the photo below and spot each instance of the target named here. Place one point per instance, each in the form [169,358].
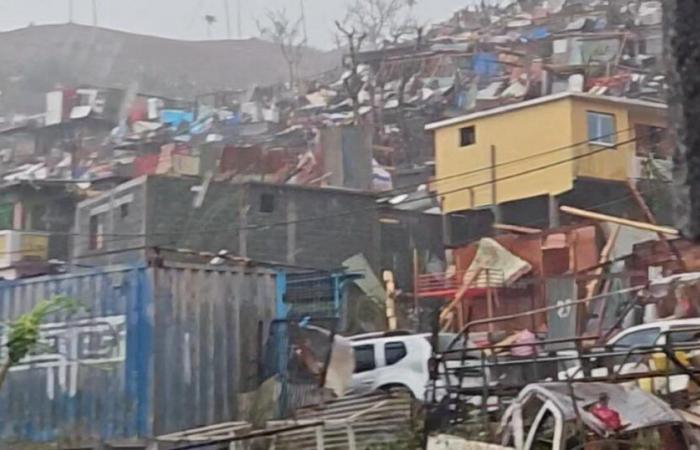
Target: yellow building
[541,147]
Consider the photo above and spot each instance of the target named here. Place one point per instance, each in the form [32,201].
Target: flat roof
[540,101]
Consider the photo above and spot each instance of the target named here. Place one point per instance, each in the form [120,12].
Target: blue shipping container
[153,351]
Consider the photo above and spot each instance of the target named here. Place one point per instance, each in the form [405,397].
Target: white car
[393,360]
[681,331]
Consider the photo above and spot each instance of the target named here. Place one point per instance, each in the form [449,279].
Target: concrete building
[295,225]
[517,163]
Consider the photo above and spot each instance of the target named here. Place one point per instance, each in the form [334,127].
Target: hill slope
[36,59]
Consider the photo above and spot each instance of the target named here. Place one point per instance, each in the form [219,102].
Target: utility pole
[239,15]
[303,20]
[70,11]
[683,63]
[227,9]
[94,13]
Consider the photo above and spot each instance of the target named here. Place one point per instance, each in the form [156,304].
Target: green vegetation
[24,333]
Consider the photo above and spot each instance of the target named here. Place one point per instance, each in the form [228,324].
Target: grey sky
[184,19]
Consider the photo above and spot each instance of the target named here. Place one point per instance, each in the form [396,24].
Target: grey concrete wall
[123,228]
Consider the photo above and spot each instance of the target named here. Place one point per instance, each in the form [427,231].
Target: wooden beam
[516,229]
[592,285]
[619,220]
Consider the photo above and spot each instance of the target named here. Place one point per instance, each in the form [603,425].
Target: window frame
[96,235]
[472,141]
[374,358]
[267,203]
[386,352]
[657,330]
[599,138]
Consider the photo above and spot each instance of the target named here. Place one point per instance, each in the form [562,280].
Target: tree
[381,20]
[289,36]
[210,20]
[352,79]
[24,333]
[376,23]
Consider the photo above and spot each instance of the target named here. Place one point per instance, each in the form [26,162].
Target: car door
[366,367]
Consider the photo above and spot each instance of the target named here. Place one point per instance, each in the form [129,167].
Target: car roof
[660,324]
[665,324]
[384,336]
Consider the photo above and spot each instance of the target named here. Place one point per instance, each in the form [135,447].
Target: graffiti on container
[66,347]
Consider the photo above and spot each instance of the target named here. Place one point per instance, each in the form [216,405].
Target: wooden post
[489,300]
[554,221]
[416,274]
[390,299]
[494,188]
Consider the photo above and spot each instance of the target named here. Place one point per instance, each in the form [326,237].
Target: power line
[375,207]
[514,161]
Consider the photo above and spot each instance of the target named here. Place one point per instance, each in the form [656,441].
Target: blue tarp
[485,64]
[536,34]
[174,117]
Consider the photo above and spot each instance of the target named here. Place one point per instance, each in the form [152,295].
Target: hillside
[34,60]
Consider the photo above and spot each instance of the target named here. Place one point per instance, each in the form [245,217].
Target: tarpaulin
[485,64]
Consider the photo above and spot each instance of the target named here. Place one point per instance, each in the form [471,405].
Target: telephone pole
[239,14]
[303,20]
[227,9]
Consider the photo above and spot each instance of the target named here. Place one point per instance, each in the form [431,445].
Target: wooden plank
[619,220]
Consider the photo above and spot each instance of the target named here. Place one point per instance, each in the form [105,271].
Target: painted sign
[65,347]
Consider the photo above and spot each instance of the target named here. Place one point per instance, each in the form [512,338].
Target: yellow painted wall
[609,164]
[525,133]
[516,134]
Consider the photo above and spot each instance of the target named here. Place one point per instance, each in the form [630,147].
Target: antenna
[70,11]
[227,8]
[94,13]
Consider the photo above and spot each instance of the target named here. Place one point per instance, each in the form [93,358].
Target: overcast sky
[184,19]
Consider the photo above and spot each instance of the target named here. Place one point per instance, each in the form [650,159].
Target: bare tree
[380,20]
[352,80]
[289,35]
[210,20]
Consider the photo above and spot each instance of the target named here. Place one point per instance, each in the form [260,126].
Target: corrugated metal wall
[89,378]
[210,329]
[154,350]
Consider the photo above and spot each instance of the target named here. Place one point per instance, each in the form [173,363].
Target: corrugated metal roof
[369,419]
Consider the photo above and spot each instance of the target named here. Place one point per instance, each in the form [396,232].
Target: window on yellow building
[467,136]
[601,128]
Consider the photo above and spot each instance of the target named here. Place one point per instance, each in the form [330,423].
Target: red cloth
[609,417]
